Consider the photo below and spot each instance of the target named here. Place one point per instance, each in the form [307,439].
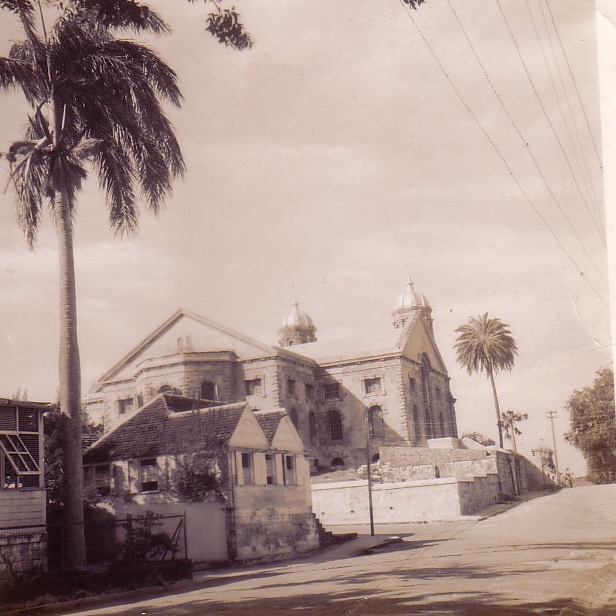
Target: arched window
[167,389]
[208,391]
[425,382]
[294,417]
[312,425]
[442,421]
[337,462]
[375,422]
[417,423]
[428,422]
[335,425]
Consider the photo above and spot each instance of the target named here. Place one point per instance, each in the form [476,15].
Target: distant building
[334,391]
[257,501]
[23,538]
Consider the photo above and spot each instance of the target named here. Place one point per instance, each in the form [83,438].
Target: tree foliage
[479,438]
[54,446]
[593,426]
[509,419]
[486,344]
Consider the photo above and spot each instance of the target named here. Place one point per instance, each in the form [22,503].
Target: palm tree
[96,104]
[509,419]
[486,345]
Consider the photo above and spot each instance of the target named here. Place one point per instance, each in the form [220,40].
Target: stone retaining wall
[22,550]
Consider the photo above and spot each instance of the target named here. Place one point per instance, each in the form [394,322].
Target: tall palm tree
[509,419]
[486,345]
[96,104]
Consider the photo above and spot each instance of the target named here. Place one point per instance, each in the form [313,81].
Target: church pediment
[186,333]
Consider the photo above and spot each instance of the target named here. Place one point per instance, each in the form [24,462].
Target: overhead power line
[518,132]
[547,117]
[588,176]
[498,152]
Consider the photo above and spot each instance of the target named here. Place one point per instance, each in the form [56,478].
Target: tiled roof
[168,425]
[269,422]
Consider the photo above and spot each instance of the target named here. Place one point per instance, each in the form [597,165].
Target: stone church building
[335,393]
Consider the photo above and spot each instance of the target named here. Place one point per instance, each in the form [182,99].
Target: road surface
[555,554]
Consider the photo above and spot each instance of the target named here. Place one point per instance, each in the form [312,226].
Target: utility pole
[368,456]
[551,415]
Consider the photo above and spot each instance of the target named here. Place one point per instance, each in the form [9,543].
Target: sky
[355,144]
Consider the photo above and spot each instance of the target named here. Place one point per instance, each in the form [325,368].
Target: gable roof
[233,341]
[269,422]
[168,425]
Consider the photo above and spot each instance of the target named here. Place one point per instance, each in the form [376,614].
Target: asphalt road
[555,554]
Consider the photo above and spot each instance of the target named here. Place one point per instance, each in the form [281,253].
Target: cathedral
[338,395]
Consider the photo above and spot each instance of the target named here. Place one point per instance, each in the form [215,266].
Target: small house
[23,538]
[241,477]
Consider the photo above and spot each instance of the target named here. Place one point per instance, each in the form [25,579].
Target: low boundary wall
[409,501]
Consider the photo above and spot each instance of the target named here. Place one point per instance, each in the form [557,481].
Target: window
[248,473]
[412,383]
[372,386]
[428,421]
[309,391]
[335,425]
[270,469]
[332,391]
[376,423]
[294,417]
[291,387]
[442,422]
[312,425]
[207,391]
[149,475]
[98,478]
[425,384]
[417,422]
[290,477]
[125,406]
[254,387]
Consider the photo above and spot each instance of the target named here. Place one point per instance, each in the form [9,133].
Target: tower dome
[409,301]
[297,328]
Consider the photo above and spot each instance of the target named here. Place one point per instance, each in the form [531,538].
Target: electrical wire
[498,152]
[521,137]
[547,117]
[590,187]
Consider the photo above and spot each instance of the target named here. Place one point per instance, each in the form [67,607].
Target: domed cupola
[410,300]
[297,328]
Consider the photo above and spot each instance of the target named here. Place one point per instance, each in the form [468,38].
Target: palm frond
[123,15]
[485,345]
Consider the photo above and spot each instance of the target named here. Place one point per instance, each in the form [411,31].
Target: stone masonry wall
[22,551]
[265,535]
[410,463]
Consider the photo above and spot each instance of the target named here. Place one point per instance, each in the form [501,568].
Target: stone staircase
[327,538]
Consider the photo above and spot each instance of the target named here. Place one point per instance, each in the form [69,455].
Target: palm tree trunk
[515,448]
[74,550]
[499,421]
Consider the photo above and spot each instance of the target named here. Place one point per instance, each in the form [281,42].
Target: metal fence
[133,540]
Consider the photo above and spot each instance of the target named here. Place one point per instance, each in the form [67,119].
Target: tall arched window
[376,423]
[428,422]
[207,391]
[312,425]
[294,417]
[442,421]
[417,423]
[335,425]
[425,379]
